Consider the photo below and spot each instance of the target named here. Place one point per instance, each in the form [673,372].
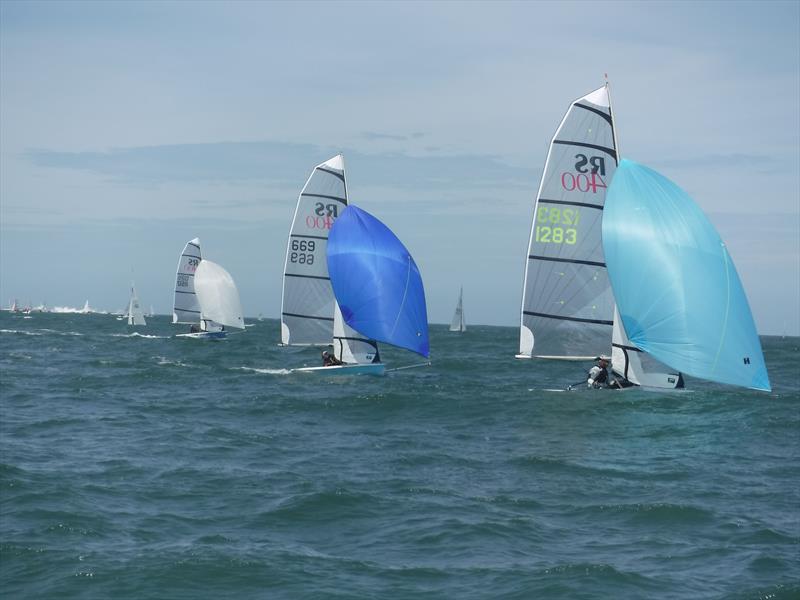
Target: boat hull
[205,335]
[367,369]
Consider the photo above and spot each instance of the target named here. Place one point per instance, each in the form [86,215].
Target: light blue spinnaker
[675,284]
[376,282]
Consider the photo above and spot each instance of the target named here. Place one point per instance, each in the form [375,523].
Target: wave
[262,371]
[141,335]
[164,361]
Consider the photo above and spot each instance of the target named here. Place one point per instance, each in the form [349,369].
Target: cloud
[283,163]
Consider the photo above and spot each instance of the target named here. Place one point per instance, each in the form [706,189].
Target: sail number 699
[302,252]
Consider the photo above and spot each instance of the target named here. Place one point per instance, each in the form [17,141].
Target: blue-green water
[145,466]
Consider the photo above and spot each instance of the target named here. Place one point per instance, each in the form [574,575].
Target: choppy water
[137,465]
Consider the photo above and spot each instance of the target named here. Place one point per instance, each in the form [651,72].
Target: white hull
[364,369]
[205,335]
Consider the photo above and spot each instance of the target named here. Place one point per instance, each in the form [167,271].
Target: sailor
[598,375]
[329,360]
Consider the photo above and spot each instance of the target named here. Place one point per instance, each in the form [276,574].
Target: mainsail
[376,282]
[567,304]
[678,293]
[307,308]
[186,309]
[135,313]
[457,324]
[309,313]
[217,295]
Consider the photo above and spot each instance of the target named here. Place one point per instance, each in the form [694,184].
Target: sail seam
[337,198]
[306,276]
[569,203]
[596,111]
[562,318]
[610,151]
[334,173]
[307,316]
[567,260]
[313,237]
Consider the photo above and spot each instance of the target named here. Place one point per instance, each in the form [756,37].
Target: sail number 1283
[549,225]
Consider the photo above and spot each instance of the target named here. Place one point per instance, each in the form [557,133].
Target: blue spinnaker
[376,282]
[675,284]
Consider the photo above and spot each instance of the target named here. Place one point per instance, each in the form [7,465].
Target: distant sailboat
[457,324]
[676,287]
[86,310]
[568,308]
[206,297]
[135,315]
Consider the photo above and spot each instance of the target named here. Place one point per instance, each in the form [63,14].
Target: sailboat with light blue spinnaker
[677,290]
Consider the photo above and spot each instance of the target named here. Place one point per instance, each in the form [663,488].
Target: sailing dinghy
[310,313]
[677,290]
[135,314]
[206,297]
[568,309]
[378,290]
[457,324]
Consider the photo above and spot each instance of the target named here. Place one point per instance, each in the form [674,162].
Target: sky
[128,128]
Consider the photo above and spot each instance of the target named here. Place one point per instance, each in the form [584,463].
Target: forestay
[217,295]
[376,282]
[678,293]
[307,308]
[567,305]
[185,307]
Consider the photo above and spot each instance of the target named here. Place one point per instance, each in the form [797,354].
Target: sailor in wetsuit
[598,376]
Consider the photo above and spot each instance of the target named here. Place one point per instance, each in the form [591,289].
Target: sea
[137,465]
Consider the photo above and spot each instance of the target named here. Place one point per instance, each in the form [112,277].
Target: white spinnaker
[308,303]
[350,346]
[217,295]
[567,303]
[135,313]
[457,324]
[186,308]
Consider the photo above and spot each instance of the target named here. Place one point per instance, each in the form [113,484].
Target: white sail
[217,295]
[308,304]
[567,304]
[135,313]
[349,346]
[86,309]
[185,307]
[636,366]
[457,324]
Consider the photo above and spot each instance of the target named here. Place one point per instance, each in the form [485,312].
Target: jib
[598,164]
[326,210]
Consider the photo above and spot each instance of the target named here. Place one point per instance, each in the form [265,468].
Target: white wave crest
[141,335]
[262,371]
